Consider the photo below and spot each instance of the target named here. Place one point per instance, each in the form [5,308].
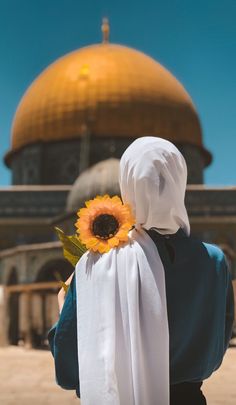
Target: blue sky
[195,40]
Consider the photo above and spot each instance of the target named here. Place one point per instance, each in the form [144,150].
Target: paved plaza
[27,378]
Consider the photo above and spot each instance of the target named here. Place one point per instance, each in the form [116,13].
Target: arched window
[54,269]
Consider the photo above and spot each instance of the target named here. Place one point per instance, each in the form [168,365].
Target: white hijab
[123,338]
[153,177]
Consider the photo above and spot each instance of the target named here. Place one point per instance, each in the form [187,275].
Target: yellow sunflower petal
[92,242]
[88,203]
[116,198]
[113,242]
[103,247]
[82,211]
[122,235]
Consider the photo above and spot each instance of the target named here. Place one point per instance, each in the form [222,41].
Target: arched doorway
[13,310]
[46,299]
[53,268]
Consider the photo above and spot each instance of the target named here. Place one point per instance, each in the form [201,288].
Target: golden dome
[114,90]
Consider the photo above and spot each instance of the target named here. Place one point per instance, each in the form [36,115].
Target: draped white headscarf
[123,338]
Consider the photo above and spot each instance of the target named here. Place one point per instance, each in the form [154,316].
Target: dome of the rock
[115,91]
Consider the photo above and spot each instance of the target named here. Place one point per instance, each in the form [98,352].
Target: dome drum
[59,162]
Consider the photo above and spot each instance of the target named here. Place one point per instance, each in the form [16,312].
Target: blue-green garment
[200,308]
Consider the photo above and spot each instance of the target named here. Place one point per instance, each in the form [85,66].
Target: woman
[147,322]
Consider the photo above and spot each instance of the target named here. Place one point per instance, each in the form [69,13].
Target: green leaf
[73,249]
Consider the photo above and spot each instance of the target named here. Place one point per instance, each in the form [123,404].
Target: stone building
[69,131]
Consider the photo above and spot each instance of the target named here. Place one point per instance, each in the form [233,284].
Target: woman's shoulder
[191,246]
[214,251]
[210,253]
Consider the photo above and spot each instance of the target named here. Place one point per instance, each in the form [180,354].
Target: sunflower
[104,223]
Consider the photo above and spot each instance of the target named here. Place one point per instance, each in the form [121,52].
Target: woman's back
[124,306]
[200,315]
[199,302]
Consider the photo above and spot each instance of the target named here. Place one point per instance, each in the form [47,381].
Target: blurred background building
[69,131]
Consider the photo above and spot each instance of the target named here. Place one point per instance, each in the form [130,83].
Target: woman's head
[153,177]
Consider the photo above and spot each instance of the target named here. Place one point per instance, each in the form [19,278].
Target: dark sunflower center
[105,226]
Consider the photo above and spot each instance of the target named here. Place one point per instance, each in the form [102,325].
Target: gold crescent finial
[105,30]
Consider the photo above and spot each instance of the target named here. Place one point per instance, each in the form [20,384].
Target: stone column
[3,317]
[28,320]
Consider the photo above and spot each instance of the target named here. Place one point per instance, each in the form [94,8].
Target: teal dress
[200,309]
